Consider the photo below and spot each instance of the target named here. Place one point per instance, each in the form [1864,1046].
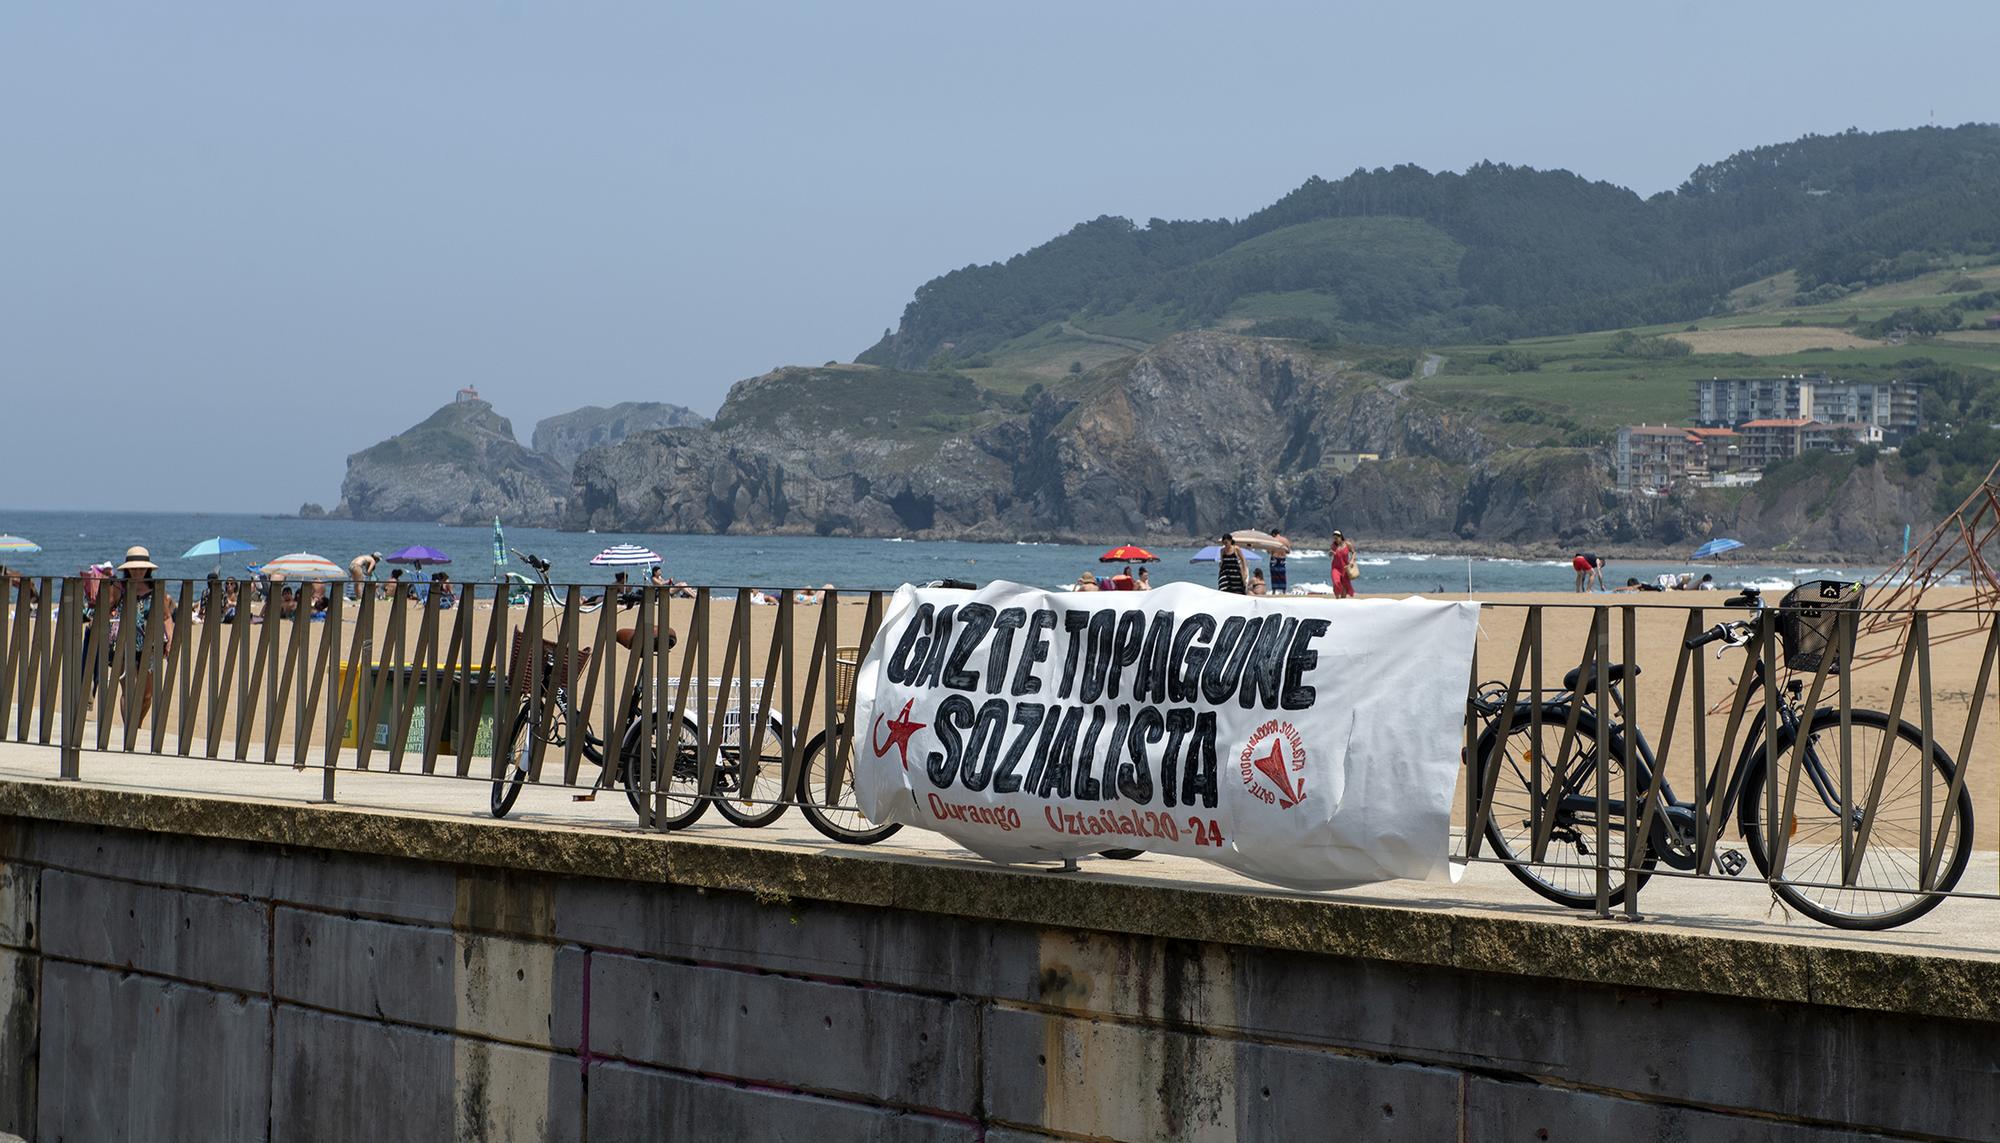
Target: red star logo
[1272,766]
[900,730]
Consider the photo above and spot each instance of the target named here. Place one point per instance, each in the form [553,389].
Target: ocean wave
[1768,583]
[1307,554]
[1418,556]
[1373,563]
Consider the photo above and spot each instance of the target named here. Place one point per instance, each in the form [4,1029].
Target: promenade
[1739,909]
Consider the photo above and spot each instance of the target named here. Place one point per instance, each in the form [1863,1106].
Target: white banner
[1311,744]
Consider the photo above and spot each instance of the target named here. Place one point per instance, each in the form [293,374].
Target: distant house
[1349,461]
[1654,458]
[1993,321]
[466,394]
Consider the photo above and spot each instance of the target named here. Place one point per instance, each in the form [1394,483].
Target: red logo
[1273,764]
[900,730]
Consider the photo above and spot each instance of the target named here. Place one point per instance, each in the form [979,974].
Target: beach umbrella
[303,565]
[217,546]
[1715,548]
[417,555]
[1213,552]
[1128,554]
[499,551]
[625,555]
[1260,541]
[16,546]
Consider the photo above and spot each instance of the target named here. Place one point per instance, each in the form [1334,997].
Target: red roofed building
[1653,458]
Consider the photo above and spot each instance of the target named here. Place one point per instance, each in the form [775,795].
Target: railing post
[69,673]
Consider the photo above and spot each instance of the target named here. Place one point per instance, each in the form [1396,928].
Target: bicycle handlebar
[1735,631]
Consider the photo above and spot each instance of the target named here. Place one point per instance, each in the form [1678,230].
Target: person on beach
[360,569]
[136,598]
[1085,582]
[395,589]
[1582,565]
[1229,565]
[1596,571]
[1341,555]
[23,586]
[1278,584]
[1144,580]
[1707,583]
[441,587]
[1257,584]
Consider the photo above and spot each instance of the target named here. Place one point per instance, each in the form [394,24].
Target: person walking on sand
[1229,575]
[1278,561]
[1341,554]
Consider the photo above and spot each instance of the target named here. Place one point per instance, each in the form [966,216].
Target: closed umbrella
[217,546]
[499,551]
[303,565]
[625,555]
[1715,548]
[1128,554]
[417,555]
[1213,552]
[16,546]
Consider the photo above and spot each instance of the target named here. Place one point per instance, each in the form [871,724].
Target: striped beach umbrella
[303,565]
[625,555]
[16,546]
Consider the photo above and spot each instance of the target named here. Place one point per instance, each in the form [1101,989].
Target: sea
[73,540]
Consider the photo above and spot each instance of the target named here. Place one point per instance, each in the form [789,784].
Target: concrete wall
[169,987]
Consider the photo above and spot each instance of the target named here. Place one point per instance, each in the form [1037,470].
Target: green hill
[1407,256]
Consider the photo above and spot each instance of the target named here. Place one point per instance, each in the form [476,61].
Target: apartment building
[1735,401]
[1653,458]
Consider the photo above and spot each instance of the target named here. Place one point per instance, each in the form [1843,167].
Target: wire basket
[567,666]
[1809,622]
[846,661]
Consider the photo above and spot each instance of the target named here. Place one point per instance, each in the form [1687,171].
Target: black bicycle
[639,767]
[1548,772]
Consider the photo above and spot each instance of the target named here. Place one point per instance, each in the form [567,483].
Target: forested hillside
[1496,252]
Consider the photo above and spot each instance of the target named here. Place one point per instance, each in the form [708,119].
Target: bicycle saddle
[627,634]
[1617,672]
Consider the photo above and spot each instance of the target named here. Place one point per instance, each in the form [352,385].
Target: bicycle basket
[1809,622]
[846,661]
[567,668]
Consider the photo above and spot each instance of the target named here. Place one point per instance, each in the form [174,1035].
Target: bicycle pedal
[1731,861]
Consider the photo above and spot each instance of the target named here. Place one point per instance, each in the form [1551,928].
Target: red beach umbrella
[1128,554]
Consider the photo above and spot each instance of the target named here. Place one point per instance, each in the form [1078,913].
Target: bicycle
[1557,789]
[835,813]
[638,769]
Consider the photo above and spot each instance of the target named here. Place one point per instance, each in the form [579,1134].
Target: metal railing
[412,686]
[1585,791]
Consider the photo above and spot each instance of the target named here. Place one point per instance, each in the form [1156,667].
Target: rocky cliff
[1200,434]
[566,436]
[461,465]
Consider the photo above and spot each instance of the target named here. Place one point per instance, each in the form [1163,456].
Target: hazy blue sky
[239,241]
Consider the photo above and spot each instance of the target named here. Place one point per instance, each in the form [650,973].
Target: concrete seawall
[208,968]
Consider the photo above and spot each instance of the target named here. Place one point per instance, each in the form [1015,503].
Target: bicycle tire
[1567,874]
[684,804]
[520,748]
[841,821]
[1891,862]
[768,800]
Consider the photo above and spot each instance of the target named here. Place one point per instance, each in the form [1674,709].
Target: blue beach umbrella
[1715,548]
[16,546]
[1213,552]
[217,547]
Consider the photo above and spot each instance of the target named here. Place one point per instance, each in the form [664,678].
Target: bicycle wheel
[838,817]
[520,755]
[767,793]
[640,770]
[1887,882]
[1567,873]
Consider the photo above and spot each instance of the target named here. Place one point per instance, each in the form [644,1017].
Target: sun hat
[136,558]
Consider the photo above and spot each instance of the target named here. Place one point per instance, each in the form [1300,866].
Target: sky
[239,241]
